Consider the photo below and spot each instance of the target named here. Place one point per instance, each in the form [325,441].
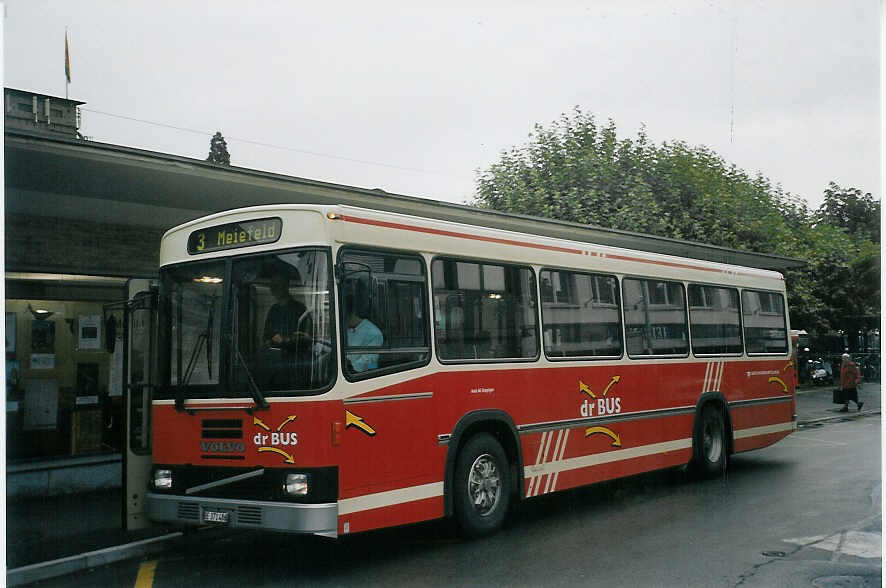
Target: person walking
[849,380]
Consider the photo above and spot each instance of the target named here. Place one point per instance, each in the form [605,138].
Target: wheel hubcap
[484,485]
[713,440]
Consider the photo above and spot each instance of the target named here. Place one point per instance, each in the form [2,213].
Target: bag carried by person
[839,396]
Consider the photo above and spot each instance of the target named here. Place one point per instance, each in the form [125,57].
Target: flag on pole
[67,59]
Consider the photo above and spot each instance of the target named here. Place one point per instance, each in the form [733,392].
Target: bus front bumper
[318,519]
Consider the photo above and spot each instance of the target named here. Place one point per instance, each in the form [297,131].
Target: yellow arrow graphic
[289,419]
[790,365]
[352,420]
[615,380]
[616,440]
[280,451]
[582,387]
[773,379]
[257,421]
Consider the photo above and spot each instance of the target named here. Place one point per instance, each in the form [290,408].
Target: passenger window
[580,315]
[484,311]
[655,318]
[765,327]
[383,302]
[715,321]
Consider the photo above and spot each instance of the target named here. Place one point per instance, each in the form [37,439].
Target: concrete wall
[21,113]
[70,246]
[68,476]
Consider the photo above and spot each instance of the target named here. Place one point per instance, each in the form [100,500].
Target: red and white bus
[332,369]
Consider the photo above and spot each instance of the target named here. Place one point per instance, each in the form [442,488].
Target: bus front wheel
[481,486]
[711,447]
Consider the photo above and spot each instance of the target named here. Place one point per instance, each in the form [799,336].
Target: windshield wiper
[189,371]
[205,338]
[192,363]
[257,395]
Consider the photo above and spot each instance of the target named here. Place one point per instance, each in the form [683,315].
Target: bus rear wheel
[481,486]
[711,447]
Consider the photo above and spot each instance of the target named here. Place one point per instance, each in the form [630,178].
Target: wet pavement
[815,403]
[50,536]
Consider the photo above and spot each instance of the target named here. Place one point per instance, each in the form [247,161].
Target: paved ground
[816,403]
[47,529]
[39,530]
[805,511]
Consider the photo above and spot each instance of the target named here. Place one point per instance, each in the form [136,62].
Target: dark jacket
[285,319]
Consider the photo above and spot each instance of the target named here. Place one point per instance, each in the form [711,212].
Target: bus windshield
[278,332]
[193,296]
[282,322]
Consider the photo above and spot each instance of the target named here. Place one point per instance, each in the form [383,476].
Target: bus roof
[425,224]
[559,229]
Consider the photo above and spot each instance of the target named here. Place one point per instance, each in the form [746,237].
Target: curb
[840,417]
[75,563]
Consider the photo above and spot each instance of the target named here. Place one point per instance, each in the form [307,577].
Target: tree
[575,171]
[579,171]
[218,150]
[818,293]
[848,208]
[852,291]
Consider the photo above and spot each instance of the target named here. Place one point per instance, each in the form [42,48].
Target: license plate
[216,516]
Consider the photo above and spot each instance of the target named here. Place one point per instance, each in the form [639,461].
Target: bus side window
[580,315]
[655,318]
[383,302]
[765,327]
[715,325]
[484,311]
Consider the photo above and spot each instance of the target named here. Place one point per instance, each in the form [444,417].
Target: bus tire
[481,487]
[711,446]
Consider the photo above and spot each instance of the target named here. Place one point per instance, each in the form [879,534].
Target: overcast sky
[414,97]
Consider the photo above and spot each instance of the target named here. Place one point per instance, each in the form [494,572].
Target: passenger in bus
[361,332]
[288,324]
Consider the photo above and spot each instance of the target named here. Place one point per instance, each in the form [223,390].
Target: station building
[82,218]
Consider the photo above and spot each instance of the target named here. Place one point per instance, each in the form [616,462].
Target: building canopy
[114,186]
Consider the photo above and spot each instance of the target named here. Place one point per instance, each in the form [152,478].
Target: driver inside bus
[288,324]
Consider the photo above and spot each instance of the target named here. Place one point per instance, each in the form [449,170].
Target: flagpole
[67,64]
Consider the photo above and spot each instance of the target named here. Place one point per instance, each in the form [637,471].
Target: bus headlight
[163,479]
[296,485]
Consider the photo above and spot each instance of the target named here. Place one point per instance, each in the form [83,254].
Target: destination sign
[233,235]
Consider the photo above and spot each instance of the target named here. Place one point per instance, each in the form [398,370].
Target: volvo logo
[223,447]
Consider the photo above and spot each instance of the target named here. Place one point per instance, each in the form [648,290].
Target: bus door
[138,342]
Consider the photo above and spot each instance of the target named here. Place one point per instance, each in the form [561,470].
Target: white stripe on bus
[575,463]
[554,457]
[559,458]
[557,465]
[766,430]
[544,458]
[389,498]
[713,376]
[541,447]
